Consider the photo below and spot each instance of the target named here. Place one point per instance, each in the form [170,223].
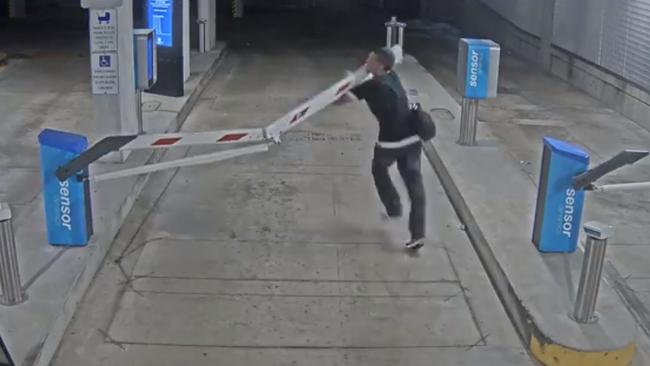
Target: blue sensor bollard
[478,79]
[559,205]
[68,213]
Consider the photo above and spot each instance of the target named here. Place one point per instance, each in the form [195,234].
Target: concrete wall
[625,97]
[440,10]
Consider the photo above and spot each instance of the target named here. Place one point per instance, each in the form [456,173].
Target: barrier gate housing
[564,179]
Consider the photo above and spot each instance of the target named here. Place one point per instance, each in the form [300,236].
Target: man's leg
[409,167]
[382,160]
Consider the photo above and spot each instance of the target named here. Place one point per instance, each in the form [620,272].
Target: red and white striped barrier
[272,133]
[185,162]
[167,140]
[321,100]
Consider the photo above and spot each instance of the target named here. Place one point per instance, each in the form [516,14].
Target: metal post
[468,122]
[391,32]
[400,37]
[389,35]
[12,291]
[139,111]
[592,270]
[202,35]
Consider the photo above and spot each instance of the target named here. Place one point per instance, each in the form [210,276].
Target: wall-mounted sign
[105,73]
[160,17]
[103,30]
[103,49]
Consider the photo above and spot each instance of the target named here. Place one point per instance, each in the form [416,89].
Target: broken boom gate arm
[271,134]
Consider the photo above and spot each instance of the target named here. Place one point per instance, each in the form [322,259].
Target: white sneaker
[384,217]
[415,244]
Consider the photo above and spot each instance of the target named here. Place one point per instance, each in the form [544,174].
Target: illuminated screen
[160,16]
[150,59]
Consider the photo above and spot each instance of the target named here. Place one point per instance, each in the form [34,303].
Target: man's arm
[346,99]
[359,92]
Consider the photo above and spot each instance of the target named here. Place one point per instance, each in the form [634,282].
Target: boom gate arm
[272,133]
[587,179]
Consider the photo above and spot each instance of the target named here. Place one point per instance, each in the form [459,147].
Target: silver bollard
[400,36]
[468,122]
[389,35]
[390,32]
[592,270]
[12,291]
[394,32]
[203,44]
[139,111]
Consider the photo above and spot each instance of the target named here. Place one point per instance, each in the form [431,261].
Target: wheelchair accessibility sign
[103,48]
[104,73]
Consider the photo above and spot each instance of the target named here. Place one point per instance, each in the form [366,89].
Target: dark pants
[408,163]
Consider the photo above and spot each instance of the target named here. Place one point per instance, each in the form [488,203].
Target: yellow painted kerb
[557,355]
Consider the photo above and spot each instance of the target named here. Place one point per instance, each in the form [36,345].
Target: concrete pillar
[115,114]
[548,25]
[17,9]
[186,39]
[207,12]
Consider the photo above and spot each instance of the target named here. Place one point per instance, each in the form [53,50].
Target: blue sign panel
[160,16]
[559,206]
[67,203]
[478,69]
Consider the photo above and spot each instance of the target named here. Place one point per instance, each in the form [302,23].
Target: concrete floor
[45,84]
[282,258]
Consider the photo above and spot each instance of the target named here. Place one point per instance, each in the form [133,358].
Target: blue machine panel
[478,69]
[151,61]
[559,206]
[67,204]
[160,16]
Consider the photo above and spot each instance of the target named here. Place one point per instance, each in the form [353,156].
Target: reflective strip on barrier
[167,140]
[185,162]
[322,100]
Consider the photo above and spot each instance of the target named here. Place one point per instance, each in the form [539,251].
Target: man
[397,141]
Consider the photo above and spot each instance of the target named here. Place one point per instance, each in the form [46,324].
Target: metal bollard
[592,270]
[389,35]
[12,291]
[203,44]
[139,111]
[468,122]
[390,32]
[400,34]
[394,32]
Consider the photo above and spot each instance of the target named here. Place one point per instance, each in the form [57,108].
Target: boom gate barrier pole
[76,169]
